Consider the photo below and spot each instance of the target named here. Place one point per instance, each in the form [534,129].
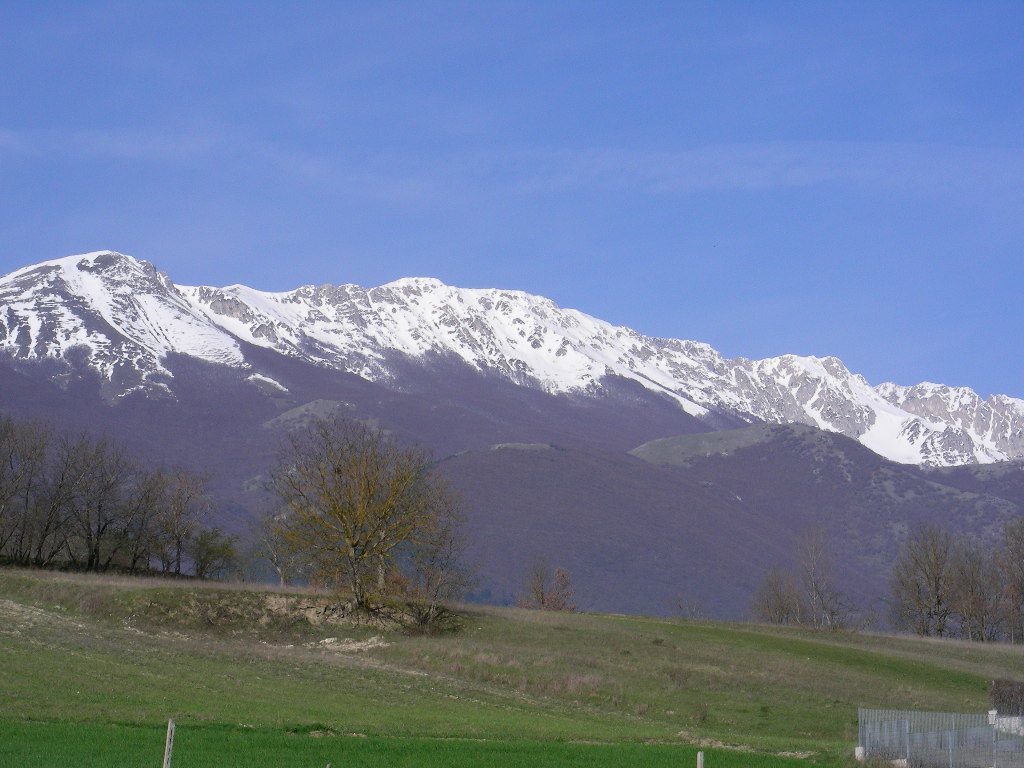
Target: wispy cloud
[13,143]
[748,167]
[143,145]
[908,168]
[916,170]
[207,146]
[155,146]
[423,175]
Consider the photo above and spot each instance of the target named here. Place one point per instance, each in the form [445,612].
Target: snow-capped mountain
[122,317]
[114,313]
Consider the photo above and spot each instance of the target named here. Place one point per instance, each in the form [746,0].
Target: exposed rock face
[122,317]
[993,428]
[118,315]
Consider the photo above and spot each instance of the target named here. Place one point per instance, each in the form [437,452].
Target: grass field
[93,668]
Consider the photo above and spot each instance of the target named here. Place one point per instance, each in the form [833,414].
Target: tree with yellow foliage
[362,508]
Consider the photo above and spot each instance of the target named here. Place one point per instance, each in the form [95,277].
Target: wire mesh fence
[942,739]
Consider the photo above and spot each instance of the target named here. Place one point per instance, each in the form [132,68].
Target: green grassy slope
[92,669]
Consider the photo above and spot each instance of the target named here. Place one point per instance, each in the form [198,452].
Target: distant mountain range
[122,318]
[655,470]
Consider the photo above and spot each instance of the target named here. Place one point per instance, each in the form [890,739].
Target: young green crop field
[92,668]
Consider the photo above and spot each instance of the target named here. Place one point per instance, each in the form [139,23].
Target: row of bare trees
[85,502]
[940,586]
[804,594]
[948,587]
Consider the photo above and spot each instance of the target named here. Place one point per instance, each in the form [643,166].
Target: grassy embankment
[92,668]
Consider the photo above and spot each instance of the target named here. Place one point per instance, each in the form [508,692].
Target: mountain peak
[91,261]
[420,283]
[121,312]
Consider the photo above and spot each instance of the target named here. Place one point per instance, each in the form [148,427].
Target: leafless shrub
[546,589]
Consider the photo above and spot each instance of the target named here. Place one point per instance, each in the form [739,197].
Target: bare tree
[778,600]
[48,502]
[826,606]
[547,589]
[436,574]
[921,582]
[176,522]
[805,594]
[270,544]
[1011,564]
[24,453]
[143,500]
[357,503]
[11,480]
[976,592]
[97,512]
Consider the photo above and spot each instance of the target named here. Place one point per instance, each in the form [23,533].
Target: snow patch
[259,378]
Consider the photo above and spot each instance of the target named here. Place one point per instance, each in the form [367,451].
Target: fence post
[700,760]
[169,746]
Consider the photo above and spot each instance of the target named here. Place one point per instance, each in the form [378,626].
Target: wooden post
[700,760]
[169,747]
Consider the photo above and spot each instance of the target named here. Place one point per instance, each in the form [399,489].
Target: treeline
[81,501]
[943,586]
[940,586]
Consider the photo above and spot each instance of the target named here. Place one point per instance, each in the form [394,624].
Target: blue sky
[814,178]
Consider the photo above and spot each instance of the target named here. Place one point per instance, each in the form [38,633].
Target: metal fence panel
[941,739]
